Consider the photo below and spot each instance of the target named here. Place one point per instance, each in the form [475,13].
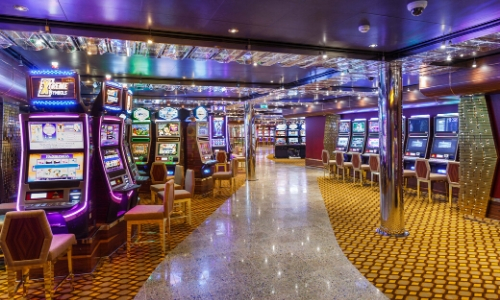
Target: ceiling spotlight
[150,41]
[461,55]
[254,64]
[20,8]
[474,65]
[448,58]
[443,45]
[233,30]
[21,62]
[89,53]
[325,56]
[108,77]
[364,28]
[272,81]
[373,46]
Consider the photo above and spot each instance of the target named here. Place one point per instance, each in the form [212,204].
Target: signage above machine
[141,115]
[200,113]
[169,114]
[53,87]
[218,108]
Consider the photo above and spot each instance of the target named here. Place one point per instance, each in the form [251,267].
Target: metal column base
[382,232]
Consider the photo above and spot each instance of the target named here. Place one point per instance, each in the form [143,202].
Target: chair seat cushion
[170,177]
[181,194]
[408,173]
[157,187]
[60,243]
[177,186]
[365,167]
[437,177]
[332,162]
[222,175]
[348,164]
[239,158]
[145,212]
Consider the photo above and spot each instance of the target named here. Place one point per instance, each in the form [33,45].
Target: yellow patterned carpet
[121,277]
[294,161]
[445,256]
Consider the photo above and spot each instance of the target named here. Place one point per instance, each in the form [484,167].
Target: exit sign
[263,106]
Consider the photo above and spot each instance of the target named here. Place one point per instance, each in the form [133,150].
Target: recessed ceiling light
[448,58]
[373,46]
[233,30]
[108,77]
[272,81]
[150,41]
[20,8]
[325,56]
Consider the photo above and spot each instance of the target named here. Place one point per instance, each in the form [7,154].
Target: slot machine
[293,133]
[168,138]
[281,133]
[303,133]
[358,136]
[373,140]
[140,138]
[56,153]
[218,129]
[445,142]
[417,141]
[344,135]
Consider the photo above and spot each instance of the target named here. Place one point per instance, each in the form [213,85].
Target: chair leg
[450,193]
[69,256]
[161,224]
[11,282]
[188,208]
[371,183]
[429,190]
[129,238]
[418,188]
[153,197]
[48,277]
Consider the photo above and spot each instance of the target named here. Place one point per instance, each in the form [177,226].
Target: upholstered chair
[221,161]
[328,164]
[152,214]
[28,243]
[374,163]
[341,164]
[423,173]
[178,183]
[183,197]
[407,174]
[453,176]
[359,167]
[225,176]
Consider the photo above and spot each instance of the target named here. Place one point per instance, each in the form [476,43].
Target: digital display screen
[293,126]
[293,141]
[110,134]
[140,130]
[140,149]
[167,149]
[373,127]
[342,141]
[168,129]
[444,148]
[205,148]
[357,144]
[359,126]
[202,128]
[416,147]
[293,133]
[112,160]
[344,127]
[55,135]
[280,141]
[281,127]
[218,129]
[418,125]
[446,124]
[373,143]
[55,167]
[112,96]
[280,133]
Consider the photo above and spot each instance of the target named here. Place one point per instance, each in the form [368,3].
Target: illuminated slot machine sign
[113,97]
[373,127]
[53,88]
[141,135]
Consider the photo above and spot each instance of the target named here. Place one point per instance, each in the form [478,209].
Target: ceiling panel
[49,9]
[188,9]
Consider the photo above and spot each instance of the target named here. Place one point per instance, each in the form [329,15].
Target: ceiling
[277,53]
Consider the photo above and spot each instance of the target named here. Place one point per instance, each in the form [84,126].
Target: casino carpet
[445,256]
[121,277]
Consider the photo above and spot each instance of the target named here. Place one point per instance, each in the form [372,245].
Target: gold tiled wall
[10,150]
[478,156]
[331,133]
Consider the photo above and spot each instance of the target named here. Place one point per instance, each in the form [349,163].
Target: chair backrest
[190,182]
[158,172]
[221,157]
[234,168]
[422,168]
[339,158]
[374,162]
[325,157]
[453,172]
[356,161]
[168,198]
[179,175]
[25,238]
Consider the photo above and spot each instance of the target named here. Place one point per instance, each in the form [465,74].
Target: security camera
[417,7]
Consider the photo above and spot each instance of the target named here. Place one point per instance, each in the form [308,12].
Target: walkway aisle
[270,240]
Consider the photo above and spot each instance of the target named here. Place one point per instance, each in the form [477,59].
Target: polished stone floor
[271,240]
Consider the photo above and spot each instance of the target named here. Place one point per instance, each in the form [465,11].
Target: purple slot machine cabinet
[140,138]
[56,153]
[218,129]
[168,138]
[417,143]
[445,142]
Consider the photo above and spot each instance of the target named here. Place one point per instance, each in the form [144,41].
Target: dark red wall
[315,133]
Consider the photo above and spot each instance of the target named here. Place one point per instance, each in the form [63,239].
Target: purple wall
[315,133]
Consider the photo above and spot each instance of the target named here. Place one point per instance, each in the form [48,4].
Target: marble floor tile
[272,239]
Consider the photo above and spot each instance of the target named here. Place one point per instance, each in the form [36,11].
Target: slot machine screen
[416,147]
[444,148]
[418,125]
[372,145]
[281,127]
[280,141]
[446,124]
[113,96]
[280,133]
[344,127]
[342,143]
[202,128]
[167,149]
[293,133]
[110,134]
[112,160]
[373,127]
[168,129]
[293,141]
[55,167]
[358,126]
[140,130]
[140,150]
[218,129]
[356,144]
[55,135]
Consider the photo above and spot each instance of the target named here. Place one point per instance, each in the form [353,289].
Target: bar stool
[423,173]
[341,165]
[453,176]
[358,167]
[374,163]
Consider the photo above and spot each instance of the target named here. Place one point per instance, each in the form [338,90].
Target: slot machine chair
[328,164]
[453,176]
[152,214]
[41,252]
[408,174]
[183,197]
[374,162]
[229,176]
[359,167]
[341,164]
[178,183]
[423,173]
[221,160]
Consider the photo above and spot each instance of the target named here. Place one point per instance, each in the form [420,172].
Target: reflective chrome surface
[392,220]
[271,240]
[250,140]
